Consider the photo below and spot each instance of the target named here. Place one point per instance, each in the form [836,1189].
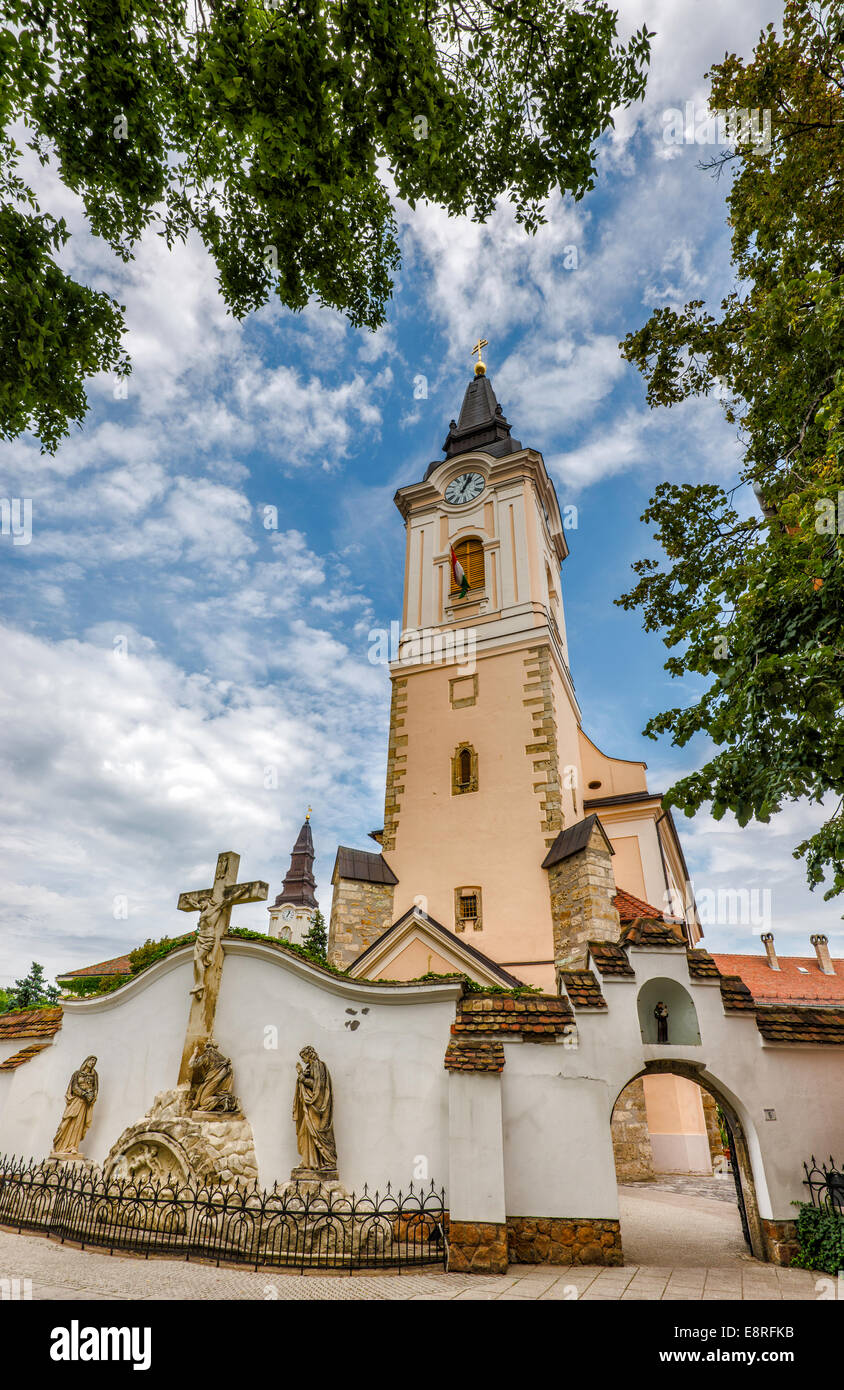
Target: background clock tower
[291,913]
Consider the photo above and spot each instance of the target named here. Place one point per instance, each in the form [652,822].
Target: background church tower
[483,764]
[290,914]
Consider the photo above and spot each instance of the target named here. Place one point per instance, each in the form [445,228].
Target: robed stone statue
[313,1115]
[80,1098]
[212,1081]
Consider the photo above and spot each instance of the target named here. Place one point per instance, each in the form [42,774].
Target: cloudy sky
[178,678]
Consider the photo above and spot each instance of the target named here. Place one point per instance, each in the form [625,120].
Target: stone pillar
[582,887]
[477,1219]
[360,913]
[631,1138]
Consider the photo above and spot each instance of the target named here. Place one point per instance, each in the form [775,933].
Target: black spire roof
[299,883]
[482,424]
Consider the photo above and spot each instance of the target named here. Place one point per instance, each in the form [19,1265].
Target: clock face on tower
[287,914]
[464,489]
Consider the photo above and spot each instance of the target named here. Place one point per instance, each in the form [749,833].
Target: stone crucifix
[214,906]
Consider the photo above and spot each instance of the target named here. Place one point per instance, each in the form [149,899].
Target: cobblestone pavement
[60,1272]
[722,1189]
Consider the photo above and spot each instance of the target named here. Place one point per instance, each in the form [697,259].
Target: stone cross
[214,906]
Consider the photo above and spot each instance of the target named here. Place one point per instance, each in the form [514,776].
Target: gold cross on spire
[480,366]
[308,816]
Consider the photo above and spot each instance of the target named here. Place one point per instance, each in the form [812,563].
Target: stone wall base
[563,1240]
[780,1241]
[477,1247]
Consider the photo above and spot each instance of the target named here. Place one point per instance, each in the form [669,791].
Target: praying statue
[212,1081]
[661,1016]
[80,1098]
[313,1115]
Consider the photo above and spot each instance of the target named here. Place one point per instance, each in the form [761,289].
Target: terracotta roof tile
[583,989]
[800,1025]
[702,966]
[630,907]
[25,1055]
[735,995]
[648,931]
[799,979]
[531,1015]
[468,1054]
[31,1023]
[610,958]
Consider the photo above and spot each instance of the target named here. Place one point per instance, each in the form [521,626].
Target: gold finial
[480,365]
[308,816]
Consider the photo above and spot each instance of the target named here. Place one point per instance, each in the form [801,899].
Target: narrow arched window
[470,555]
[464,769]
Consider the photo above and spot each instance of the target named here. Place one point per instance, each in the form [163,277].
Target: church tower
[290,914]
[503,823]
[483,764]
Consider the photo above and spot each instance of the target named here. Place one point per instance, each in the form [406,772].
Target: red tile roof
[789,984]
[469,1055]
[629,908]
[31,1023]
[532,1015]
[583,989]
[801,1025]
[18,1059]
[118,965]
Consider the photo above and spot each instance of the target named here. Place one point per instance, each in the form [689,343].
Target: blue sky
[179,679]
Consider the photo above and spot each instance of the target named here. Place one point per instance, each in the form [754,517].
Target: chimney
[821,945]
[768,938]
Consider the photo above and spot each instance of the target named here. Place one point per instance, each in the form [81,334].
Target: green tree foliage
[753,599]
[31,991]
[4,1001]
[278,130]
[315,941]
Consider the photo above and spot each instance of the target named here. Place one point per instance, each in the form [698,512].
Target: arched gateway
[742,1168]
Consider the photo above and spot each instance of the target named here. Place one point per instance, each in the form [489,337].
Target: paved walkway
[58,1271]
[661,1227]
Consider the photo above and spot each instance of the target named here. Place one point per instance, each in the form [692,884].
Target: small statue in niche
[80,1099]
[212,1081]
[313,1115]
[661,1016]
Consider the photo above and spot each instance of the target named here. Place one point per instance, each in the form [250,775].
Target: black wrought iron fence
[288,1227]
[826,1185]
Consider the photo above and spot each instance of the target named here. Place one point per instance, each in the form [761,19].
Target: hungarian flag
[459,575]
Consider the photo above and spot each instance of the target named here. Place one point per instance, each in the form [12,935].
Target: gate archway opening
[654,1155]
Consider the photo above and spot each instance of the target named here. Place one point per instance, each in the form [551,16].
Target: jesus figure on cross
[214,906]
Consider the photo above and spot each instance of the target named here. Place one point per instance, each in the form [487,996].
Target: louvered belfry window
[470,553]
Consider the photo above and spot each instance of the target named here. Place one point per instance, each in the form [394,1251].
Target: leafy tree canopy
[754,603]
[277,130]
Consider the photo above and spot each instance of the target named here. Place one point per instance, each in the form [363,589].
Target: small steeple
[481,424]
[299,882]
